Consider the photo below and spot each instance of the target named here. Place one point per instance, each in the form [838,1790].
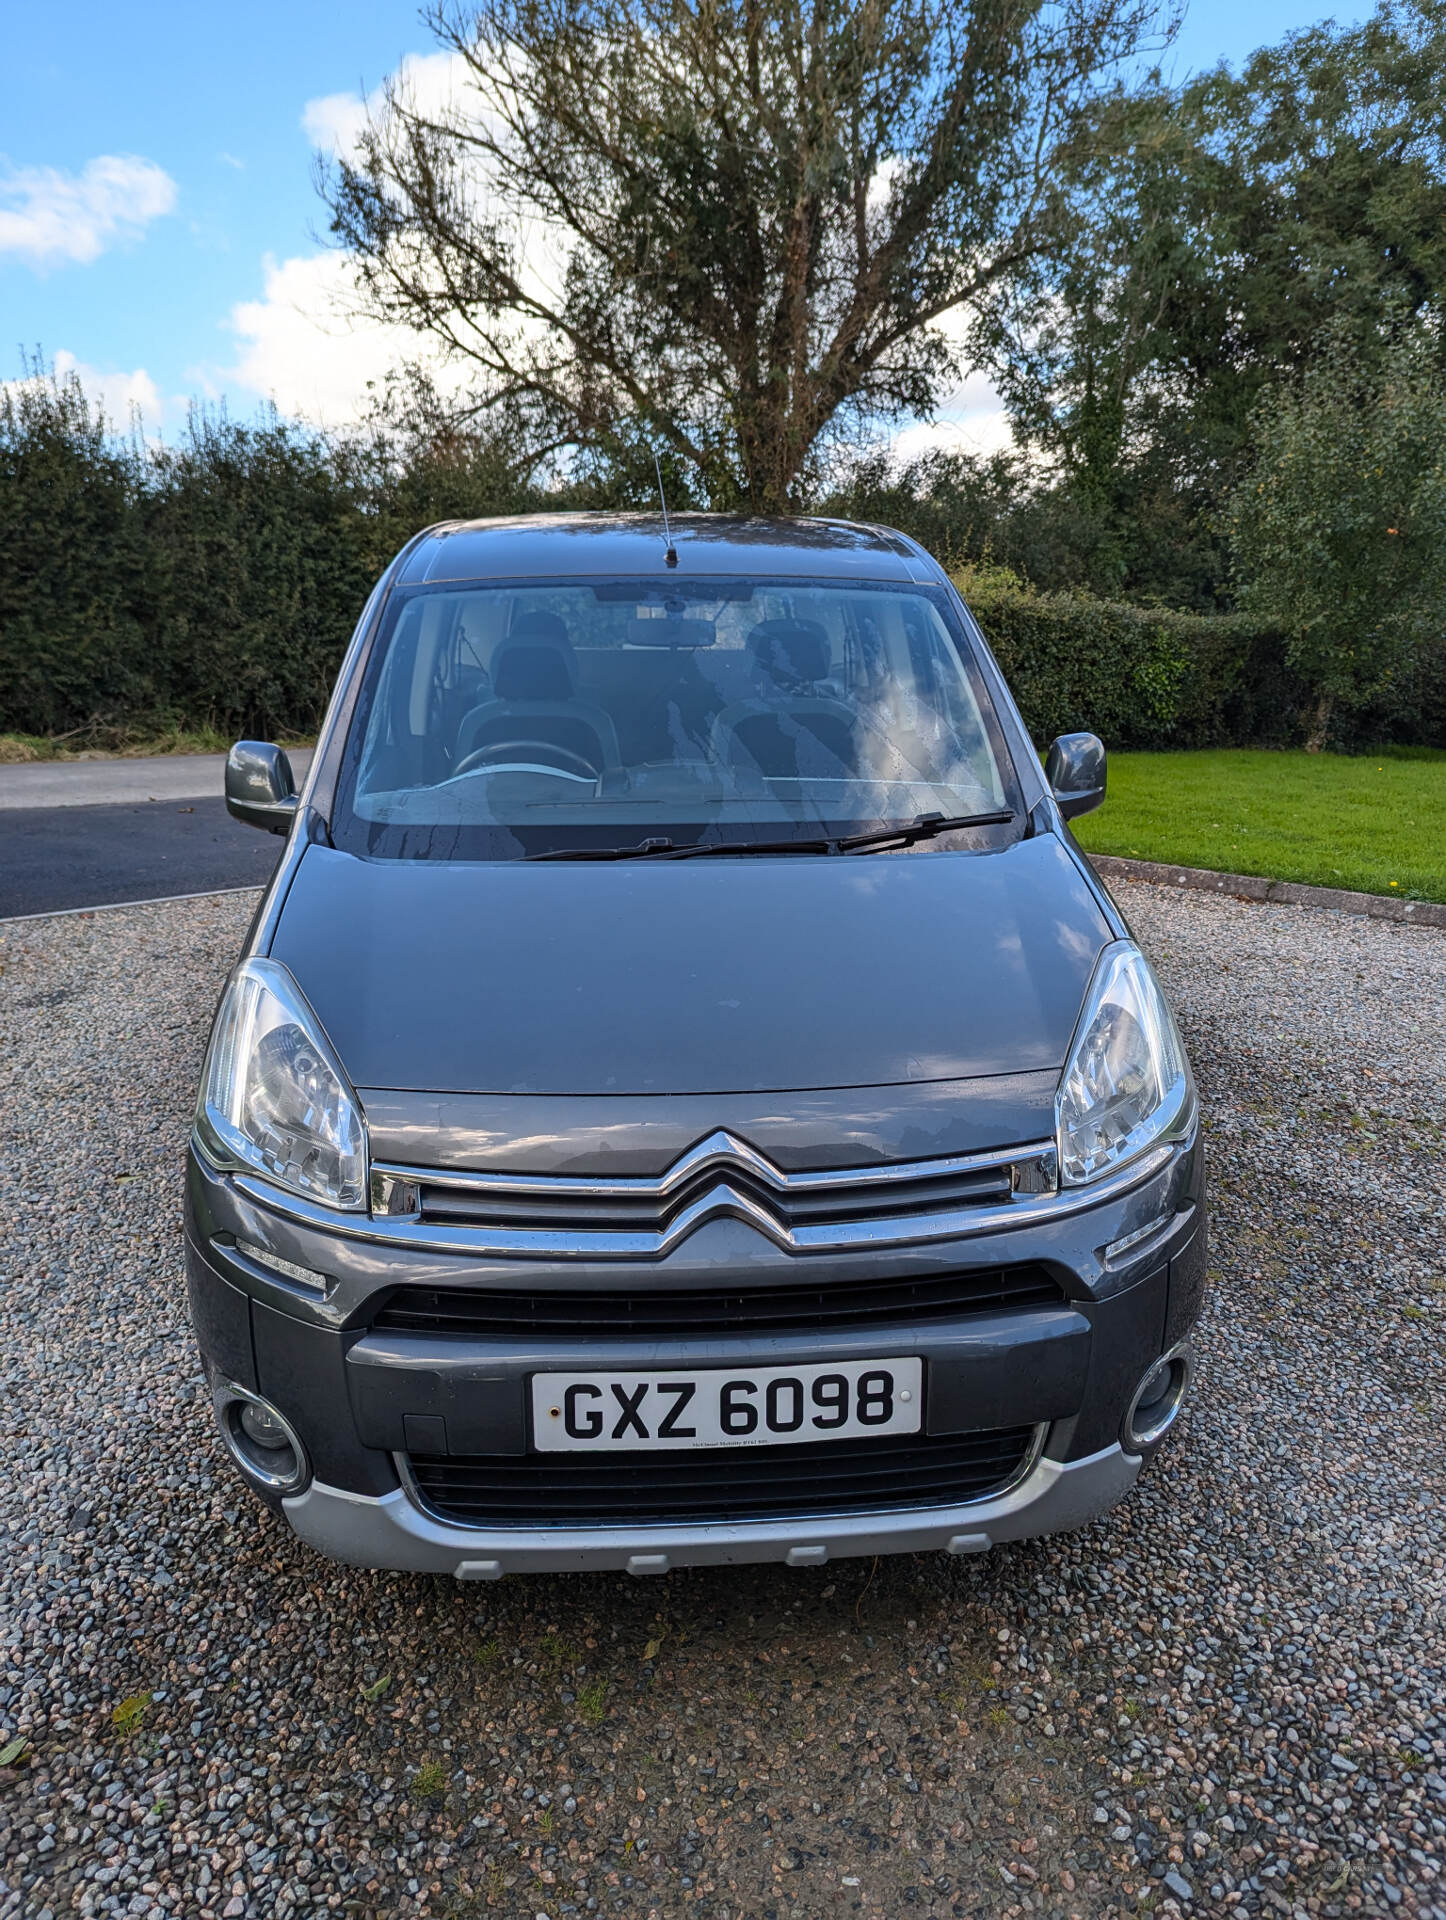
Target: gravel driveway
[1228,1696]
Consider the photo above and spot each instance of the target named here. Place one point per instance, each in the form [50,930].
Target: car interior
[552,684]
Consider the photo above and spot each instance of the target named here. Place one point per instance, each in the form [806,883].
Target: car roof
[552,545]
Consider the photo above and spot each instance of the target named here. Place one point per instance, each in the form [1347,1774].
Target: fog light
[1157,1400]
[261,1440]
[264,1425]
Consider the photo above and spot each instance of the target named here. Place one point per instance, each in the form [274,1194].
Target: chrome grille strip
[722,1176]
[721,1200]
[718,1150]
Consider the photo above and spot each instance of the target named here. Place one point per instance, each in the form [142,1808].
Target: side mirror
[1075,770]
[259,786]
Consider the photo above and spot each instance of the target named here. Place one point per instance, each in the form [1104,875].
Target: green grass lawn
[1372,822]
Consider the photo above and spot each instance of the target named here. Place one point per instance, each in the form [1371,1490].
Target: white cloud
[49,218]
[118,395]
[300,348]
[439,87]
[431,83]
[300,343]
[970,419]
[333,122]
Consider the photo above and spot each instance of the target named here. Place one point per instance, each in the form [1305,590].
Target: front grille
[632,1217]
[648,1210]
[729,1484]
[484,1313]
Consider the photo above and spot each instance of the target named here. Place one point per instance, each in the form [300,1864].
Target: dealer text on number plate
[725,1406]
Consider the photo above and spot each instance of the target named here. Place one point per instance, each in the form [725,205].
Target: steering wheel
[528,756]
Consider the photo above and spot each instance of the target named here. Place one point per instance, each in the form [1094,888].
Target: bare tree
[729,225]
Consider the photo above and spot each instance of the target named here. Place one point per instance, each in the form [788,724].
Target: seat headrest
[535,661]
[795,653]
[539,628]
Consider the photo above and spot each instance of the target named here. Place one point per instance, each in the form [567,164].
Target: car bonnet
[717,976]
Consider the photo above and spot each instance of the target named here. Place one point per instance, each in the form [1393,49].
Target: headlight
[274,1096]
[1125,1083]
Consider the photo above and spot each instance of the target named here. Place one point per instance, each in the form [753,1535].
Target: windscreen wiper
[923,828]
[663,848]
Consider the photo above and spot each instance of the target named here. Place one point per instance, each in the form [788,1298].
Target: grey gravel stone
[921,1735]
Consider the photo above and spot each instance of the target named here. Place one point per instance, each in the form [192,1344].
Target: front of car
[685,1099]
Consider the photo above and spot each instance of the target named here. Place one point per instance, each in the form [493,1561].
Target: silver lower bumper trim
[392,1532]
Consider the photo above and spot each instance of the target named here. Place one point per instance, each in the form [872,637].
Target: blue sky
[159,227]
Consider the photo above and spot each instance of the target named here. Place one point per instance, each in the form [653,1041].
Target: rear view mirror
[671,630]
[1075,770]
[259,786]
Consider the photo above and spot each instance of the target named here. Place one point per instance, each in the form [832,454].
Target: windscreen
[505,721]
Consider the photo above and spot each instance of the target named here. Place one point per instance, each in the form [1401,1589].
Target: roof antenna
[670,554]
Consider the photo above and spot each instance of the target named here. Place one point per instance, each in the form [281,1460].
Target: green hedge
[212,585]
[72,566]
[207,585]
[1147,677]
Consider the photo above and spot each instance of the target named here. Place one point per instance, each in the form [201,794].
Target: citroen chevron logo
[722,1153]
[721,1150]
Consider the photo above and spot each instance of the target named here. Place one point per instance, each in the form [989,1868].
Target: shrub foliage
[76,578]
[1151,677]
[208,585]
[1339,525]
[213,585]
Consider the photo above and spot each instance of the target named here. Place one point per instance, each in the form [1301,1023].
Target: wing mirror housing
[1075,770]
[260,788]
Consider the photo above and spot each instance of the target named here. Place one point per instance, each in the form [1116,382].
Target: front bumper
[1130,1275]
[390,1531]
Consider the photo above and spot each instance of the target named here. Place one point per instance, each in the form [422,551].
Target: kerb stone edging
[1250,886]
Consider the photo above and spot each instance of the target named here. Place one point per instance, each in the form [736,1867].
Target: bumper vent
[489,1313]
[732,1484]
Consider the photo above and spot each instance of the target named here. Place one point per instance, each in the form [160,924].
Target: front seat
[793,728]
[534,697]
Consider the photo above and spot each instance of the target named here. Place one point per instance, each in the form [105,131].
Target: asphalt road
[97,833]
[57,857]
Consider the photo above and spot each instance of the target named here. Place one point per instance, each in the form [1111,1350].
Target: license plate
[725,1406]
